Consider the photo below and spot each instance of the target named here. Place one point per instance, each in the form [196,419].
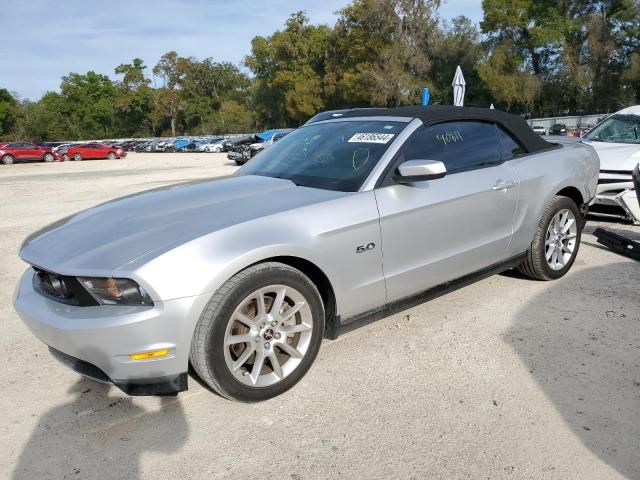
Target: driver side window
[461,146]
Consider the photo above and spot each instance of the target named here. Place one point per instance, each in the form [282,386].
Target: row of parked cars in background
[212,145]
[561,129]
[241,147]
[20,151]
[12,152]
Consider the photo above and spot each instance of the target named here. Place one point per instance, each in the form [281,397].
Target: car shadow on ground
[99,434]
[585,355]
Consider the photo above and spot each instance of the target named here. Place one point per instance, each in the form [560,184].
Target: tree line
[537,57]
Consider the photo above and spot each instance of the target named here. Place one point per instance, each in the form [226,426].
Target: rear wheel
[48,157]
[7,159]
[259,334]
[556,242]
[111,156]
[77,157]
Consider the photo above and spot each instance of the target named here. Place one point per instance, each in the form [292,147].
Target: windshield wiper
[296,182]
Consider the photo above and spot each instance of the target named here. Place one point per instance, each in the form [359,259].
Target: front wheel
[7,160]
[48,157]
[77,157]
[111,156]
[259,334]
[556,242]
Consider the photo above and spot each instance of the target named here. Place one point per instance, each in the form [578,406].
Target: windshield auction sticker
[371,138]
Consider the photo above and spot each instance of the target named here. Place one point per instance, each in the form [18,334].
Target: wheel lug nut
[258,339]
[277,336]
[267,345]
[274,323]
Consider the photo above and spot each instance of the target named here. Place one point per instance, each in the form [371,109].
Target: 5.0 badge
[365,248]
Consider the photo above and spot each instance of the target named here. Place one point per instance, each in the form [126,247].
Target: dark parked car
[558,129]
[11,152]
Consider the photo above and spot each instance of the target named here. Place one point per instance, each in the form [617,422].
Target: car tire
[48,157]
[112,156]
[77,157]
[217,150]
[556,241]
[227,365]
[240,162]
[65,158]
[7,160]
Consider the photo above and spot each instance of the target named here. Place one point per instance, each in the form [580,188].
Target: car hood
[617,156]
[104,238]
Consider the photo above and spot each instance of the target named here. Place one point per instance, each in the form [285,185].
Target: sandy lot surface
[507,378]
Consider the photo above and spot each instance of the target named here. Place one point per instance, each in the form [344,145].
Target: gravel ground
[507,378]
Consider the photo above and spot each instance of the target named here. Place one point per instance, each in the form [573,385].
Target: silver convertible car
[349,218]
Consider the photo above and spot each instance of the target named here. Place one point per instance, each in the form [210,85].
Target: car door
[96,151]
[15,150]
[81,149]
[89,152]
[31,151]
[439,230]
[21,151]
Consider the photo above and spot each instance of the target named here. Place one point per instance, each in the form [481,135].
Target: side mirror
[420,170]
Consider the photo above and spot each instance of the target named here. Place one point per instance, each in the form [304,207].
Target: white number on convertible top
[371,138]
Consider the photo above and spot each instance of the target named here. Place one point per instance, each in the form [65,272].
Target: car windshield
[618,128]
[331,156]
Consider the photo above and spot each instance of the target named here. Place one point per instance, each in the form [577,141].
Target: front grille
[615,176]
[61,288]
[607,210]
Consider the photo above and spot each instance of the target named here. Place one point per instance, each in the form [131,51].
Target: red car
[91,151]
[11,152]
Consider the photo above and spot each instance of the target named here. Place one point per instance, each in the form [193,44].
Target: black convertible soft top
[514,124]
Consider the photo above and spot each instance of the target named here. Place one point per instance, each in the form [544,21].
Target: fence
[570,121]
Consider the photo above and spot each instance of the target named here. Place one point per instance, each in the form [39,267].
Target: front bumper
[617,200]
[102,337]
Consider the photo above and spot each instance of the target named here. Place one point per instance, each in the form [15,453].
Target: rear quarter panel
[543,175]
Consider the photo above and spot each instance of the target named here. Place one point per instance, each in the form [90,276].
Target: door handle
[502,185]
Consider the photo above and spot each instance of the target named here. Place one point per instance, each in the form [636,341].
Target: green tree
[89,100]
[172,69]
[379,52]
[8,111]
[134,99]
[579,50]
[457,43]
[289,70]
[508,85]
[206,85]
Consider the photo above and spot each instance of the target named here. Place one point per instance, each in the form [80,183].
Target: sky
[44,40]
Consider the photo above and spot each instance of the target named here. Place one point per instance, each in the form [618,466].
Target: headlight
[116,291]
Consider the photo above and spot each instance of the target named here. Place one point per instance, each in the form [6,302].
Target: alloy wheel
[268,335]
[560,240]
